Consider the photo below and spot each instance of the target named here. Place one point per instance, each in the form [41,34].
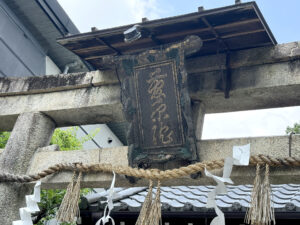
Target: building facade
[28,33]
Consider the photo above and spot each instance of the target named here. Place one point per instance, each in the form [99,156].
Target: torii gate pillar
[31,131]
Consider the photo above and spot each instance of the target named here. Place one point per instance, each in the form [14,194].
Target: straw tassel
[261,211]
[155,211]
[144,214]
[69,209]
[151,210]
[252,211]
[267,209]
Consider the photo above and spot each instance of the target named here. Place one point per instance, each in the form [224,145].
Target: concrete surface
[198,110]
[32,131]
[210,149]
[60,82]
[73,107]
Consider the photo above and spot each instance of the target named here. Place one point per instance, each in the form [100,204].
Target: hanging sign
[156,103]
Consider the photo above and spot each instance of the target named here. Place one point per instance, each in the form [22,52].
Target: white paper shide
[240,157]
[31,206]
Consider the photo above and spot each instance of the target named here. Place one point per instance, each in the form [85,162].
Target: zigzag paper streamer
[240,157]
[31,206]
[110,205]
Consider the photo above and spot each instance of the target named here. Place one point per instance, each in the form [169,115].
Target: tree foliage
[295,129]
[3,138]
[51,199]
[67,140]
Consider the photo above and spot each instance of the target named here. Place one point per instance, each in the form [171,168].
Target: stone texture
[32,131]
[50,148]
[84,156]
[244,58]
[276,146]
[261,78]
[295,146]
[42,160]
[210,150]
[253,87]
[72,107]
[51,83]
[198,109]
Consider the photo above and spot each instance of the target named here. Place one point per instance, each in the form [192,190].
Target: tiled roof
[286,198]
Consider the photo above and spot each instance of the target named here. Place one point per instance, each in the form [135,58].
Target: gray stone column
[198,118]
[31,131]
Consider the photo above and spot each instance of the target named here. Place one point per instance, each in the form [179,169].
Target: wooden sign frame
[157,105]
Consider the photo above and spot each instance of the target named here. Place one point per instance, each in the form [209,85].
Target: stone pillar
[31,131]
[198,118]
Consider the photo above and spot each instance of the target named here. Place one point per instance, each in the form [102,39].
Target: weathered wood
[157,105]
[210,149]
[261,78]
[244,28]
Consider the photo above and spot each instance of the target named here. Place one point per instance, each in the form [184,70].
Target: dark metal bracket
[227,79]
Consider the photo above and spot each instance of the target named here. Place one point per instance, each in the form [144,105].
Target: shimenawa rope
[150,174]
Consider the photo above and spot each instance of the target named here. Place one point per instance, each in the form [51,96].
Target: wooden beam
[208,150]
[108,45]
[182,34]
[191,32]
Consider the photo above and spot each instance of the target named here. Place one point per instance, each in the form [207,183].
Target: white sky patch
[253,123]
[144,8]
[109,13]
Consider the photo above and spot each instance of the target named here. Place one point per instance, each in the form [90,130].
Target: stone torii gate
[33,107]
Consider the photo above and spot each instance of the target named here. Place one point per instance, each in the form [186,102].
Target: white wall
[105,138]
[20,53]
[51,68]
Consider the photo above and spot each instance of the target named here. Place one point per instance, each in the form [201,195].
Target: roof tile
[193,198]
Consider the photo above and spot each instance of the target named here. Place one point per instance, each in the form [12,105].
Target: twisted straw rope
[150,174]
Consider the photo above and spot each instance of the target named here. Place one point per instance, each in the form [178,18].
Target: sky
[282,16]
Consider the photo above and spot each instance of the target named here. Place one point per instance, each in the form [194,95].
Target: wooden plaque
[157,105]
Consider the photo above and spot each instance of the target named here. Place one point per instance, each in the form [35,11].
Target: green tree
[51,199]
[295,129]
[3,138]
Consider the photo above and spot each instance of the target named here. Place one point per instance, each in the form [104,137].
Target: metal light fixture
[133,33]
